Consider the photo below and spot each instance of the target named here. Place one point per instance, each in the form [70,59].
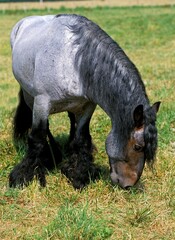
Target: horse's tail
[22,121]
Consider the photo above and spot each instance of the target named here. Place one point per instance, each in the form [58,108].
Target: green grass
[76,223]
[100,211]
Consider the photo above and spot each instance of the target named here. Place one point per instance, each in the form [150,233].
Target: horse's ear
[156,106]
[138,115]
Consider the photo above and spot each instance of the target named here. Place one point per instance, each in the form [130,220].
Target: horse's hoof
[16,180]
[22,175]
[17,177]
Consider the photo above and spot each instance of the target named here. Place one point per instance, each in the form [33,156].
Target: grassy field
[101,211]
[83,3]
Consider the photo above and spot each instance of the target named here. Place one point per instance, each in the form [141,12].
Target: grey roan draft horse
[68,63]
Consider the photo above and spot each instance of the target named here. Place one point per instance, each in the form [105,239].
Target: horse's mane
[103,65]
[110,77]
[150,135]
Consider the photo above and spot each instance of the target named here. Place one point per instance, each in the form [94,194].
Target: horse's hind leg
[85,132]
[80,168]
[73,126]
[55,152]
[38,154]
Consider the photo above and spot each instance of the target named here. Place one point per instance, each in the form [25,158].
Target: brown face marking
[128,172]
[134,150]
[135,146]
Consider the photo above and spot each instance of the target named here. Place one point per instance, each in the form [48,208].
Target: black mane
[150,135]
[107,73]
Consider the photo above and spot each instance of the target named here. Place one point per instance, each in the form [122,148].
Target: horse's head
[126,165]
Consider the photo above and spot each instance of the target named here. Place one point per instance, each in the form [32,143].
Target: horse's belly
[74,105]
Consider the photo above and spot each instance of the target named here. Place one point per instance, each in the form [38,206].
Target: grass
[101,211]
[76,223]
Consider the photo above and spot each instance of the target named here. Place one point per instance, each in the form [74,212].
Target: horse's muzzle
[125,179]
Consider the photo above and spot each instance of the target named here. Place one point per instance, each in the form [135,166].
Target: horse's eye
[138,148]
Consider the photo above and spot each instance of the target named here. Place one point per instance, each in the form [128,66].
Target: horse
[68,63]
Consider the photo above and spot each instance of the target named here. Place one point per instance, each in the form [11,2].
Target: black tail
[22,121]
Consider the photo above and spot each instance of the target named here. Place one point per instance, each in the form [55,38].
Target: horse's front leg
[33,164]
[80,168]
